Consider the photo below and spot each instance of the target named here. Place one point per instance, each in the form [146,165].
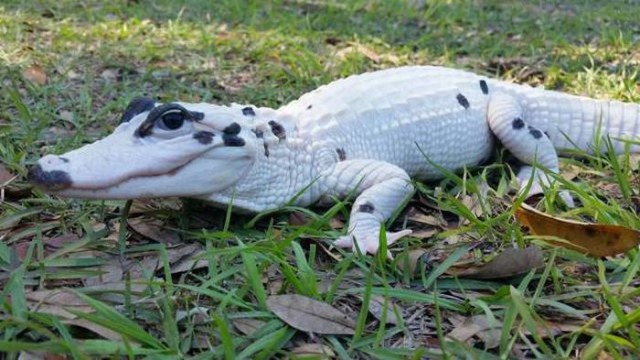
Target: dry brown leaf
[97,329]
[424,233]
[109,74]
[111,272]
[419,217]
[376,308]
[35,73]
[247,326]
[66,115]
[313,351]
[477,325]
[56,302]
[5,176]
[509,263]
[473,204]
[154,229]
[184,257]
[410,260]
[306,314]
[359,49]
[592,239]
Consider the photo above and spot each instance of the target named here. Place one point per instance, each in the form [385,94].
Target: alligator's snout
[54,180]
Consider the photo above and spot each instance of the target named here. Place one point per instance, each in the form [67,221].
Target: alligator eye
[172,119]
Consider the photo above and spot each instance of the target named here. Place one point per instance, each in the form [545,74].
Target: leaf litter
[309,315]
[597,240]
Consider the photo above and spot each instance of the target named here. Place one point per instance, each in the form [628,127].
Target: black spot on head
[204,137]
[137,106]
[232,140]
[341,154]
[463,101]
[196,115]
[233,129]
[517,123]
[537,134]
[248,111]
[309,107]
[484,87]
[277,130]
[64,159]
[547,134]
[367,208]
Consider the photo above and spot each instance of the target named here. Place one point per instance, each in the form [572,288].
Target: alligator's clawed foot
[540,181]
[369,243]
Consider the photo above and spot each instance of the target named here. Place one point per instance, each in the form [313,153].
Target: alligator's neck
[284,166]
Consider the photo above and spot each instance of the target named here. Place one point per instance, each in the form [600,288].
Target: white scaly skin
[364,135]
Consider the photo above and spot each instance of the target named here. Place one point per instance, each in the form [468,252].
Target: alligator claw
[369,243]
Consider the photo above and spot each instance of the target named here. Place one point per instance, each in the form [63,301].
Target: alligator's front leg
[380,188]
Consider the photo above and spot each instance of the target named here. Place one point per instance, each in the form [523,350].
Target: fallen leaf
[200,314]
[247,326]
[56,302]
[35,74]
[313,351]
[509,263]
[154,229]
[424,233]
[5,176]
[479,326]
[592,239]
[306,314]
[377,309]
[411,260]
[97,329]
[66,115]
[109,74]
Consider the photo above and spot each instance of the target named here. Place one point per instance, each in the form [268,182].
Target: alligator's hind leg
[380,188]
[527,143]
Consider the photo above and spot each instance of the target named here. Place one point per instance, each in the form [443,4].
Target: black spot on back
[462,100]
[232,140]
[64,159]
[204,137]
[248,111]
[309,107]
[259,133]
[537,134]
[367,208]
[484,87]
[233,129]
[517,123]
[341,154]
[277,129]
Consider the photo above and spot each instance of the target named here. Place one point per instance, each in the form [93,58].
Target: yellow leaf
[592,239]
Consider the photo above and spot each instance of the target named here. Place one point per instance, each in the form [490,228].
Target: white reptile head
[173,149]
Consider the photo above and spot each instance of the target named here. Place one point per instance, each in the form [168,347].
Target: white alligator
[365,135]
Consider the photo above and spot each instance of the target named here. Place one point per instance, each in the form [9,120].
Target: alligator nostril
[49,180]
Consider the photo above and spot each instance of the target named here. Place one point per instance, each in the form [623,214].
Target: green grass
[76,280]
